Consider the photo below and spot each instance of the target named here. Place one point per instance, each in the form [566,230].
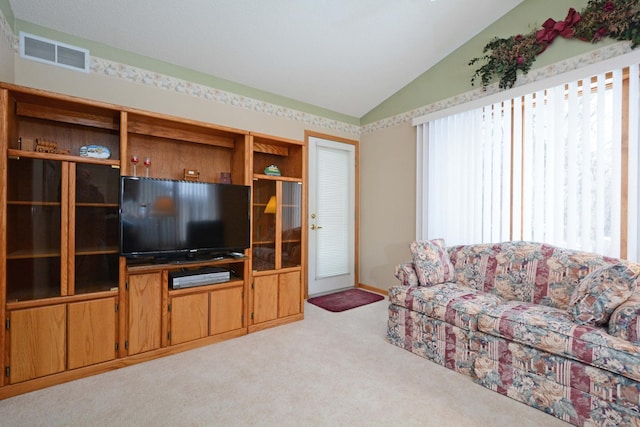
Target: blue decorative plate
[95,151]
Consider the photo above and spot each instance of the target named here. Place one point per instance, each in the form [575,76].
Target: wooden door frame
[356,240]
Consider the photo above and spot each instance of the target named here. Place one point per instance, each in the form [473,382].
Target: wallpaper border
[149,78]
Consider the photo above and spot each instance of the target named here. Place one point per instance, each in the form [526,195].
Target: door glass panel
[333,209]
[33,228]
[264,225]
[291,221]
[96,228]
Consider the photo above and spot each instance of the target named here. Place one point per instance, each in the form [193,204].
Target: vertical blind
[546,166]
[571,165]
[469,174]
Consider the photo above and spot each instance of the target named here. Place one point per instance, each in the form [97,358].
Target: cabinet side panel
[4,141]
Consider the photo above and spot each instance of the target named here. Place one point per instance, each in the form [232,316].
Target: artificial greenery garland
[618,19]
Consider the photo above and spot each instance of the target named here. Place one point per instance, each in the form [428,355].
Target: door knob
[315,227]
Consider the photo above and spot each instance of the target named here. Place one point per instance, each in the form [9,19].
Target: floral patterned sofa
[554,328]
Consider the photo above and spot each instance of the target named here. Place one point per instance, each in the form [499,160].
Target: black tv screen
[168,218]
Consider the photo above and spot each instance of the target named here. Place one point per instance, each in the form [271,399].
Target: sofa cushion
[431,262]
[524,271]
[449,302]
[625,320]
[406,274]
[554,331]
[601,292]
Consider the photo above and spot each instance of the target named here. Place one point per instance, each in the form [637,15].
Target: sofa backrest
[524,271]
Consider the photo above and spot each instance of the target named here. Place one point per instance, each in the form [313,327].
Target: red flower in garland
[602,31]
[600,34]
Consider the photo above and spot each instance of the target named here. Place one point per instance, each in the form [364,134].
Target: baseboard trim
[384,292]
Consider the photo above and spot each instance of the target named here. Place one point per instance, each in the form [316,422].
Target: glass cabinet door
[34,227]
[291,221]
[96,228]
[264,225]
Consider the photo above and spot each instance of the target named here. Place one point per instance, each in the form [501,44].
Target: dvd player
[200,277]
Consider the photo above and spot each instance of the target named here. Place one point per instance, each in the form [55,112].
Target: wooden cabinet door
[36,228]
[189,317]
[37,342]
[94,234]
[145,312]
[289,294]
[265,298]
[226,310]
[91,330]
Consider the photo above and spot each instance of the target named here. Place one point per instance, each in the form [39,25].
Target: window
[558,165]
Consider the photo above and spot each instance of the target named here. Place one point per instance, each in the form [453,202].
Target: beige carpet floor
[331,369]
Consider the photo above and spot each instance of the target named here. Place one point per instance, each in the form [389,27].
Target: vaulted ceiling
[347,56]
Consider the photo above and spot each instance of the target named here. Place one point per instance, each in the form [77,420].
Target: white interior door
[332,215]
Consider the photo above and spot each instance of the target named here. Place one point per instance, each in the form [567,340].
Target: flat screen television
[161,218]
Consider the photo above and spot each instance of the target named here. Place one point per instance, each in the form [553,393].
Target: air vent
[53,52]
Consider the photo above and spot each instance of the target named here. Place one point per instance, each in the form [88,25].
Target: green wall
[452,76]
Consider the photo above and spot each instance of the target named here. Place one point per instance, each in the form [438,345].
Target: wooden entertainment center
[72,305]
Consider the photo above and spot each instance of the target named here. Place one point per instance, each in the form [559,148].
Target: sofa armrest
[406,273]
[625,320]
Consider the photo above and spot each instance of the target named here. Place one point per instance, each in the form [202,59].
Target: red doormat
[345,300]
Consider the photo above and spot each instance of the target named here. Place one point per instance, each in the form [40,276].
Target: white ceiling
[347,56]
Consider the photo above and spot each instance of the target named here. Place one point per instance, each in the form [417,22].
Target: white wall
[122,92]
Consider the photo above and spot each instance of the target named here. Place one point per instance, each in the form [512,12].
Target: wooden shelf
[24,254]
[233,283]
[34,303]
[97,205]
[13,153]
[276,178]
[88,252]
[31,203]
[147,267]
[274,271]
